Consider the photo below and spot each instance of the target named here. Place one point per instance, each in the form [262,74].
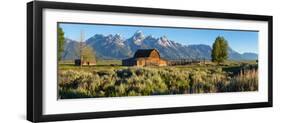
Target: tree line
[86,52]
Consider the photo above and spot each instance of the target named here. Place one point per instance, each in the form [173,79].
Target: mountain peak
[164,41]
[138,31]
[98,36]
[164,38]
[139,35]
[118,36]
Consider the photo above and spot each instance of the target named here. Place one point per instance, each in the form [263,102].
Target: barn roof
[144,53]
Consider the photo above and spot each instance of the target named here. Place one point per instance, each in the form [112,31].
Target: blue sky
[240,41]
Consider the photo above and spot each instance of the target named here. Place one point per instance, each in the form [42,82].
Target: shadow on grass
[71,94]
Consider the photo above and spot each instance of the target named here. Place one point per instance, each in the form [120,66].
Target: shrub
[246,81]
[136,81]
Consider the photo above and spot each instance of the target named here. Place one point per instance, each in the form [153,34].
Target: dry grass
[133,81]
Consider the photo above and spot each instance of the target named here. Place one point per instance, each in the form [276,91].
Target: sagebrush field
[113,81]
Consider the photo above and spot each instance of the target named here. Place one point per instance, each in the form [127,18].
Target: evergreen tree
[61,43]
[220,50]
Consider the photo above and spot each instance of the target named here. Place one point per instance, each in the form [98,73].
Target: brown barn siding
[145,57]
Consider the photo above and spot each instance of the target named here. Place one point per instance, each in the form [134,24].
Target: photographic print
[106,60]
[88,61]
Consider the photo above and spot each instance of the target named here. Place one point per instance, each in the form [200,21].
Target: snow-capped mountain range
[116,47]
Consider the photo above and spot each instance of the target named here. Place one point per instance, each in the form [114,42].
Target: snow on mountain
[110,46]
[117,47]
[138,37]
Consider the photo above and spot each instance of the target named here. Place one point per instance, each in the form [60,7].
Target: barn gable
[145,57]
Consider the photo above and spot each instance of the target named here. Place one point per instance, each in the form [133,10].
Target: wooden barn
[84,62]
[145,57]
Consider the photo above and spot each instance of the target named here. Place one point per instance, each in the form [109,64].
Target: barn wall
[154,54]
[153,59]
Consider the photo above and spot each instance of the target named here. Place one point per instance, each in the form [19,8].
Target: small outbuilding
[78,62]
[145,57]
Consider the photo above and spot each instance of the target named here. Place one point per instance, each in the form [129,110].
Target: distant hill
[70,49]
[116,47]
[249,56]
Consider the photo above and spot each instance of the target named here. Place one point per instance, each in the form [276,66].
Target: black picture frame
[35,69]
